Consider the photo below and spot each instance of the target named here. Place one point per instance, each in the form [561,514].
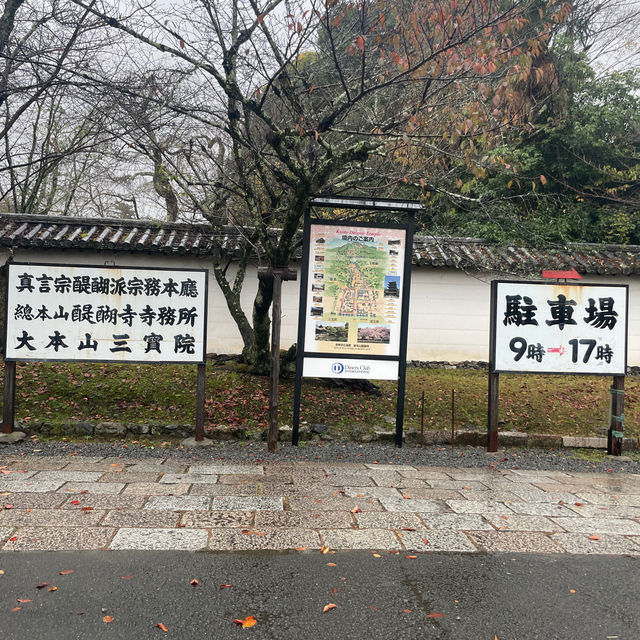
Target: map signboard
[121,314]
[559,328]
[355,280]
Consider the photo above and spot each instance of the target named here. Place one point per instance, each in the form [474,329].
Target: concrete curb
[462,437]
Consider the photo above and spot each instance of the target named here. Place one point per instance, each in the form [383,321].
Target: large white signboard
[124,314]
[553,328]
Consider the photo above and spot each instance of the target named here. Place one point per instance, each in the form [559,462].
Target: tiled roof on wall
[30,231]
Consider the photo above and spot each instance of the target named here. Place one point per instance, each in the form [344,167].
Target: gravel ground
[437,456]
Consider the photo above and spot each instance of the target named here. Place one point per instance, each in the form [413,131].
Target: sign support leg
[200,392]
[9,403]
[492,419]
[616,424]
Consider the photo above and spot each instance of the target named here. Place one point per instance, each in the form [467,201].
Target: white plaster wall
[448,318]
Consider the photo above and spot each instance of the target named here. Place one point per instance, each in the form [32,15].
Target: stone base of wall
[462,437]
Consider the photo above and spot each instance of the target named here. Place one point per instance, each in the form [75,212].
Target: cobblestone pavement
[78,503]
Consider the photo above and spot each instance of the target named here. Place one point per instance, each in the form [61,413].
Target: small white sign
[560,328]
[350,368]
[122,314]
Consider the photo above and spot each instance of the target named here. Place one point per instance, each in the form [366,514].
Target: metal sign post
[561,328]
[354,299]
[86,313]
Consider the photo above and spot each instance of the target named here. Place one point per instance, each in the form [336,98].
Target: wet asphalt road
[473,597]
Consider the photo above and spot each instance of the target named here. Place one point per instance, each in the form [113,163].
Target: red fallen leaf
[23,600]
[13,539]
[87,508]
[194,583]
[249,621]
[594,537]
[374,608]
[579,504]
[408,529]
[162,627]
[331,564]
[107,619]
[411,557]
[328,607]
[16,608]
[75,502]
[180,526]
[126,577]
[52,589]
[84,491]
[225,586]
[66,572]
[42,585]
[406,611]
[356,510]
[324,549]
[436,615]
[8,506]
[405,496]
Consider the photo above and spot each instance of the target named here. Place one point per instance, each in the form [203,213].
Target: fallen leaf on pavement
[8,506]
[411,557]
[406,611]
[572,590]
[408,529]
[42,585]
[162,627]
[87,508]
[194,583]
[225,586]
[328,607]
[331,564]
[594,537]
[16,608]
[23,600]
[435,615]
[301,548]
[66,572]
[579,504]
[1,572]
[52,589]
[324,549]
[126,577]
[356,510]
[249,621]
[377,555]
[107,619]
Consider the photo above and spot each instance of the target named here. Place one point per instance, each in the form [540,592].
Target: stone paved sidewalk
[78,503]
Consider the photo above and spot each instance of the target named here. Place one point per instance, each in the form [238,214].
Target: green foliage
[573,175]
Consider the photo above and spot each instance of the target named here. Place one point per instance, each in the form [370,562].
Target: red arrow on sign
[559,350]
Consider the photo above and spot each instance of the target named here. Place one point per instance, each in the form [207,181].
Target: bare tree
[291,99]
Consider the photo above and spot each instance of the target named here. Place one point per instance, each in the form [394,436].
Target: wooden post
[9,402]
[200,392]
[492,418]
[616,424]
[272,436]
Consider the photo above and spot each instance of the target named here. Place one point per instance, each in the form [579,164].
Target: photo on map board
[318,276]
[317,299]
[380,333]
[317,287]
[392,286]
[317,311]
[332,331]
